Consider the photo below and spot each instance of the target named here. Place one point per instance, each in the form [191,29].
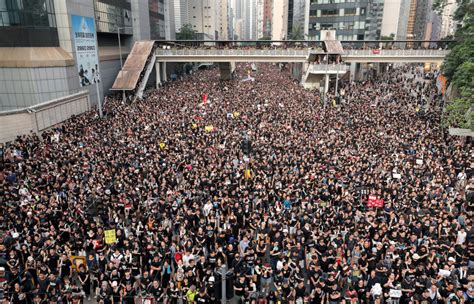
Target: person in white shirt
[461,237]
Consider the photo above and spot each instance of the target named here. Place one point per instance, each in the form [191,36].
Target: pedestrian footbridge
[147,56]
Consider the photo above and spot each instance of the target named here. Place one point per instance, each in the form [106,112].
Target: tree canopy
[458,66]
[186,33]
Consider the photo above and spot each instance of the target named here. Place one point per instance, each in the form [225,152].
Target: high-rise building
[405,14]
[222,11]
[230,21]
[423,14]
[267,18]
[280,20]
[298,17]
[447,21]
[170,27]
[181,14]
[356,20]
[203,18]
[156,10]
[52,49]
[418,21]
[391,15]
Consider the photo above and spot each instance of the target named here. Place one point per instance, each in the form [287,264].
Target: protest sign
[110,237]
[77,260]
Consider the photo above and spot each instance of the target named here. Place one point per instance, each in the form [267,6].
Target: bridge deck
[295,55]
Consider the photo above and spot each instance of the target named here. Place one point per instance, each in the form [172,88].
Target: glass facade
[27,13]
[157,19]
[361,20]
[28,23]
[110,16]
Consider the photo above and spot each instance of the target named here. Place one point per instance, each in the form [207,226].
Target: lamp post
[120,53]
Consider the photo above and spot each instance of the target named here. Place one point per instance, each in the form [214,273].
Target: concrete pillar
[158,74]
[326,84]
[226,70]
[163,66]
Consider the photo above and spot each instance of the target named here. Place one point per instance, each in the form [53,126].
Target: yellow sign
[77,260]
[162,145]
[236,114]
[247,174]
[110,237]
[209,128]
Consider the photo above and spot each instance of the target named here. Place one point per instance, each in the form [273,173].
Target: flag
[204,97]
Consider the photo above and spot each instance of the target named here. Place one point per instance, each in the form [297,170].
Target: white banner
[85,42]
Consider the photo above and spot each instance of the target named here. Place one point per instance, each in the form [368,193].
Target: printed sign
[110,237]
[77,260]
[374,201]
[85,42]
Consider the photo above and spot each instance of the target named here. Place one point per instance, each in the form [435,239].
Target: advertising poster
[85,43]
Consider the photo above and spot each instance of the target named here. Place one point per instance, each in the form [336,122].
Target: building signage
[85,42]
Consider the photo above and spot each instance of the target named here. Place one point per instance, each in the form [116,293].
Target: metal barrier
[376,52]
[236,52]
[318,68]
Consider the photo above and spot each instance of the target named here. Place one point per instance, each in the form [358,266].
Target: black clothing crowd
[258,176]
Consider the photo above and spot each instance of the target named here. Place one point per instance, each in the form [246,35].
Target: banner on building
[85,43]
[110,237]
[441,84]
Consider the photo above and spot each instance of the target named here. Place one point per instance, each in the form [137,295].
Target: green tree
[391,37]
[464,76]
[186,33]
[296,33]
[460,53]
[458,67]
[265,40]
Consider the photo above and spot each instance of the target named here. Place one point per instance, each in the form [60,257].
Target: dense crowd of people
[260,178]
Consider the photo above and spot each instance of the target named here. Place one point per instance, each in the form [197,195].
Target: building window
[329,12]
[350,11]
[28,13]
[362,11]
[109,17]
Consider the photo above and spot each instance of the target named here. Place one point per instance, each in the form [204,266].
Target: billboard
[85,42]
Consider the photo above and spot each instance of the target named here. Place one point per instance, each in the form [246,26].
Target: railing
[318,68]
[382,52]
[302,44]
[233,52]
[295,52]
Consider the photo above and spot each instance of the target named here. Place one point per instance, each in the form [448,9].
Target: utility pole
[99,100]
[224,272]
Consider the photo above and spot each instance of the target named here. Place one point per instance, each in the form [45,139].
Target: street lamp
[120,52]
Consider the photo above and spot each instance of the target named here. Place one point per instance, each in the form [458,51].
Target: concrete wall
[25,87]
[42,116]
[110,69]
[313,82]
